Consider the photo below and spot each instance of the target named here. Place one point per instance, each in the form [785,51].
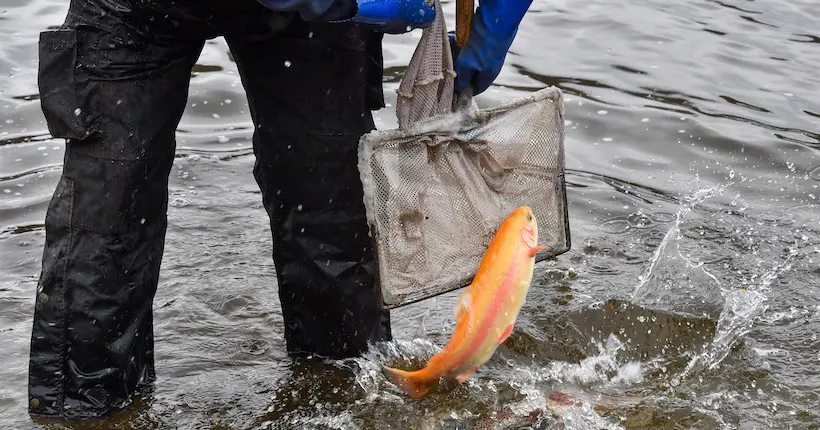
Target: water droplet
[142,221]
[615,226]
[77,112]
[602,112]
[216,115]
[645,120]
[228,101]
[223,139]
[607,139]
[179,203]
[287,63]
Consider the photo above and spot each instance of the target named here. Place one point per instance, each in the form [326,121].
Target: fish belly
[502,324]
[503,320]
[489,344]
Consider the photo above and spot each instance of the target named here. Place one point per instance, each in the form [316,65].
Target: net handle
[465,9]
[464,20]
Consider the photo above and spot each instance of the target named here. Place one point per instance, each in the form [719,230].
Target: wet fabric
[114,82]
[314,10]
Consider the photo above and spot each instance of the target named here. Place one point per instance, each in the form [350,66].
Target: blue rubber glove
[395,16]
[495,25]
[387,16]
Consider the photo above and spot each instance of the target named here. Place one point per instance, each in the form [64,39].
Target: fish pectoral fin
[507,332]
[464,376]
[463,304]
[534,250]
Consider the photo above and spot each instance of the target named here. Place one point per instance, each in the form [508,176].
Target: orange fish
[486,310]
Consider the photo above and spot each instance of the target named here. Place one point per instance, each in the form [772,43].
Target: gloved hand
[387,16]
[395,16]
[495,25]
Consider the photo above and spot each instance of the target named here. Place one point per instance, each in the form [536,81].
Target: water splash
[601,369]
[679,281]
[368,368]
[674,281]
[742,307]
[547,395]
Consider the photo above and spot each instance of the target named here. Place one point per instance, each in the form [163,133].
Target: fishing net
[438,187]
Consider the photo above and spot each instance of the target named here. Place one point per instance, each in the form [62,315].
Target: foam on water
[598,370]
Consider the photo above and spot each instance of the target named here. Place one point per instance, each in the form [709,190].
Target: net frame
[478,159]
[464,125]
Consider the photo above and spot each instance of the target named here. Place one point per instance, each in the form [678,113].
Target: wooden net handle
[464,20]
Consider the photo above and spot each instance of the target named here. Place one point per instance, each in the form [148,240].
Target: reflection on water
[687,301]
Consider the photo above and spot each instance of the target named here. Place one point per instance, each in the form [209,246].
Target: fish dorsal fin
[463,304]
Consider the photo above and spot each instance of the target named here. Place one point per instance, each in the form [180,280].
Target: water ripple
[662,99]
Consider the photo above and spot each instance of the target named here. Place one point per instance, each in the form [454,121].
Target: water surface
[689,299]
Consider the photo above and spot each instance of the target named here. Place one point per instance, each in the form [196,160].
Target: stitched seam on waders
[64,346]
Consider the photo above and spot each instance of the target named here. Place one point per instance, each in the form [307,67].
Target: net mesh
[438,187]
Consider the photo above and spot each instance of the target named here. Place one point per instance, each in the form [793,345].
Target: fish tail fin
[411,383]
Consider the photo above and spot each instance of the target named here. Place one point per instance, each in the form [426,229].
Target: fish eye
[529,217]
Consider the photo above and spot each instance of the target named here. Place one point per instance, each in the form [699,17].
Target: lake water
[690,297]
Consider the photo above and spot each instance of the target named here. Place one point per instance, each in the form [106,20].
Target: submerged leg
[117,99]
[308,89]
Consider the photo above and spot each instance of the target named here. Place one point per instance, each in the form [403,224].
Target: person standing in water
[113,82]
